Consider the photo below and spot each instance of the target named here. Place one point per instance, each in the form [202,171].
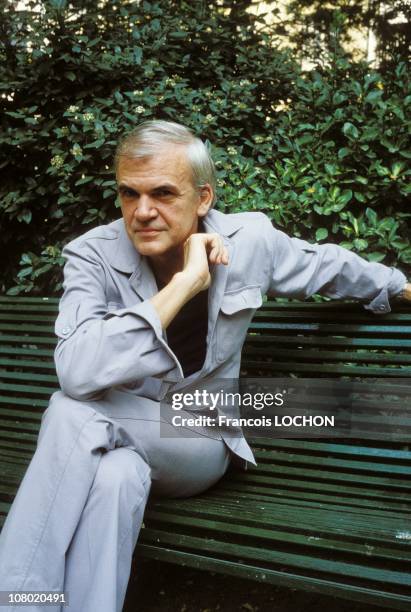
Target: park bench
[326,516]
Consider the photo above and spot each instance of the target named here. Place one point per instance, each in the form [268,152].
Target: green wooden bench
[333,517]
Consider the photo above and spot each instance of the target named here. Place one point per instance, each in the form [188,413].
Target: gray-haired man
[157,301]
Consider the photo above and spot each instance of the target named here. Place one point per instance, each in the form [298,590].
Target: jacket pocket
[237,310]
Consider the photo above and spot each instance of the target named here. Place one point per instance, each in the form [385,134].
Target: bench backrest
[305,339]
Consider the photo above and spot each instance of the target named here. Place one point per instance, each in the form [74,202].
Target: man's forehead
[169,165]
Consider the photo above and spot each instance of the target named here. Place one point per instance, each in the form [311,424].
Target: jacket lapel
[126,259]
[143,281]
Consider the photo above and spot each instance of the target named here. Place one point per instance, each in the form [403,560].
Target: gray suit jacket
[110,335]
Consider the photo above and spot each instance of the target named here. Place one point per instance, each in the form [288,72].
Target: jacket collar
[123,256]
[226,225]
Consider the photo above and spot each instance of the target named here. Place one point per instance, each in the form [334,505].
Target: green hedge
[324,154]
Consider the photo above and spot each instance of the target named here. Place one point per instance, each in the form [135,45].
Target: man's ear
[206,199]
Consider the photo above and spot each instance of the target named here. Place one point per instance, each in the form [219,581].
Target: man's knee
[64,413]
[122,473]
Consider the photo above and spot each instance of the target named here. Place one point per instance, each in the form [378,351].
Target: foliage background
[324,152]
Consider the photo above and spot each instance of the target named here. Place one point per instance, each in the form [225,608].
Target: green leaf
[375,256]
[42,270]
[138,55]
[83,181]
[343,152]
[25,259]
[405,256]
[334,193]
[350,130]
[26,216]
[374,96]
[397,168]
[345,197]
[118,96]
[321,233]
[178,34]
[25,272]
[331,168]
[360,244]
[371,216]
[14,290]
[58,4]
[14,114]
[96,144]
[305,139]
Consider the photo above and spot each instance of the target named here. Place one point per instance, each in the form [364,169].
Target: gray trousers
[76,517]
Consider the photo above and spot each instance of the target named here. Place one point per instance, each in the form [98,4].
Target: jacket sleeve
[98,349]
[300,269]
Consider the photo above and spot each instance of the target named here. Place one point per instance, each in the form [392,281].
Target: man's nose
[145,209]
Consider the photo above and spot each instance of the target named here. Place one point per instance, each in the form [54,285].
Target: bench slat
[7,375]
[313,369]
[27,389]
[22,299]
[395,601]
[23,401]
[24,363]
[321,356]
[260,494]
[274,458]
[327,341]
[293,560]
[330,448]
[47,329]
[301,484]
[12,350]
[333,328]
[25,339]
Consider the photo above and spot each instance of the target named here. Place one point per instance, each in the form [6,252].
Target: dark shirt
[187,333]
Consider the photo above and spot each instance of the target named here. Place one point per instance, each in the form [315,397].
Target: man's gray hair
[147,139]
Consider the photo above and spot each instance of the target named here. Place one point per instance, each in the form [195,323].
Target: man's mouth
[148,230]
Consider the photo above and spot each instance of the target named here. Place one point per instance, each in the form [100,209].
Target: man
[157,301]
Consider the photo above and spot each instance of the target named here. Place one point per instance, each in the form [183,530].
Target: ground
[160,587]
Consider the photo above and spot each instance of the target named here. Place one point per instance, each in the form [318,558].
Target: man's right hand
[200,252]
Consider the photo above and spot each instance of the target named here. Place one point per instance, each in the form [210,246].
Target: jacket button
[66,330]
[383,308]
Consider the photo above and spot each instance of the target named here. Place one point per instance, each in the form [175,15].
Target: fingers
[210,244]
[218,253]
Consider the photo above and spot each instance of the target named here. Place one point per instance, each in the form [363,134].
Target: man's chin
[149,249]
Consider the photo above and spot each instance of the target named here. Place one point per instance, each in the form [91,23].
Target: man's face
[159,201]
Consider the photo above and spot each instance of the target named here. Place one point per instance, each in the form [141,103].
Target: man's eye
[163,193]
[128,193]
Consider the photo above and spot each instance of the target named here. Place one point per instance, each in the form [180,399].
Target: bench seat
[328,516]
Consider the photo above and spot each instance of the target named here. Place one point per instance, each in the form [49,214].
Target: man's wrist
[188,284]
